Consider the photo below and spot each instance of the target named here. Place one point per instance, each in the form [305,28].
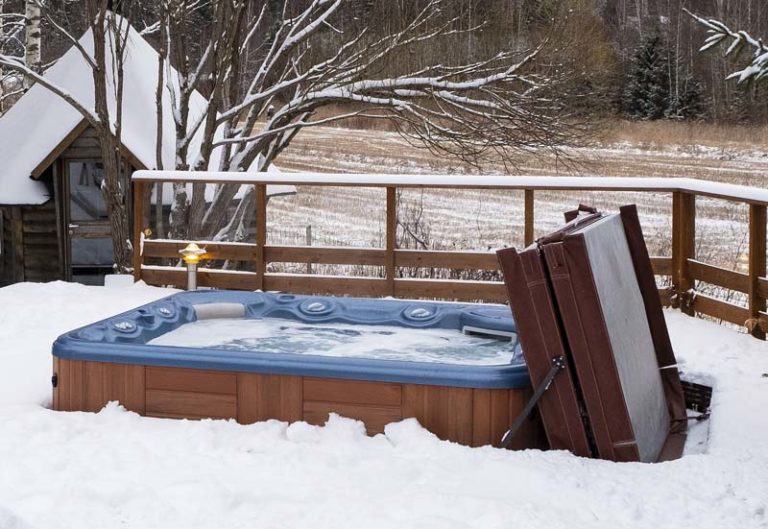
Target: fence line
[390,261]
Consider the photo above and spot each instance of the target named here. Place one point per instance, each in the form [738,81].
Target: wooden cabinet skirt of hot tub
[473,417]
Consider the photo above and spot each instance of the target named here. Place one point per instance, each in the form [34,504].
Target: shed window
[86,199]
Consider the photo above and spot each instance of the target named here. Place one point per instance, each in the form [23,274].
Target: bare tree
[499,104]
[269,72]
[2,41]
[32,38]
[106,62]
[11,30]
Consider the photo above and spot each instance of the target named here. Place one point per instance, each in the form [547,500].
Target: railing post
[308,241]
[757,234]
[389,263]
[528,233]
[138,227]
[683,247]
[261,233]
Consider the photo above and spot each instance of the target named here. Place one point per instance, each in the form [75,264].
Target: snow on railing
[552,183]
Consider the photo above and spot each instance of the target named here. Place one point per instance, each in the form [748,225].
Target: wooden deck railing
[682,266]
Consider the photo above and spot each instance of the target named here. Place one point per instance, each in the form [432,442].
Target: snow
[615,183]
[40,121]
[116,469]
[387,342]
[210,190]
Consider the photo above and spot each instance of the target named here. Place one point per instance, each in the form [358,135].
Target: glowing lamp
[192,255]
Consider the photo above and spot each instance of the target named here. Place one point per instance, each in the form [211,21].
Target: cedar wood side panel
[88,386]
[472,417]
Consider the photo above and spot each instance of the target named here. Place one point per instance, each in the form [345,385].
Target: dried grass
[654,135]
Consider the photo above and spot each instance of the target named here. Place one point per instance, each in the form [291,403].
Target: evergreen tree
[689,104]
[646,95]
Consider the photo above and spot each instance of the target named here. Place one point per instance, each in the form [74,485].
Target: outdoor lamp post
[192,255]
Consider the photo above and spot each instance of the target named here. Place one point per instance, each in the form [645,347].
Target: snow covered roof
[41,123]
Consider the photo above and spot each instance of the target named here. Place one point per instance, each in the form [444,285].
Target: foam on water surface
[382,342]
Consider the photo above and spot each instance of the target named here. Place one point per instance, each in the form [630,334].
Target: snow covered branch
[18,65]
[310,67]
[719,34]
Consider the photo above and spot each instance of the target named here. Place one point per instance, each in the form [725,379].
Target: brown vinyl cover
[539,330]
[670,376]
[557,307]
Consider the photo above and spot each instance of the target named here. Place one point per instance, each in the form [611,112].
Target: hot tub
[254,356]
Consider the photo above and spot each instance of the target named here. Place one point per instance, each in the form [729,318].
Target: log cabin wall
[11,258]
[30,249]
[41,258]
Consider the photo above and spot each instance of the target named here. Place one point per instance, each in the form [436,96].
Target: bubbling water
[383,342]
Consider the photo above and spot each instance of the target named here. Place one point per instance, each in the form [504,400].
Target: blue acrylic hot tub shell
[123,338]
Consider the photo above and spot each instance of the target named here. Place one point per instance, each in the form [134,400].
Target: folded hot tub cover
[587,293]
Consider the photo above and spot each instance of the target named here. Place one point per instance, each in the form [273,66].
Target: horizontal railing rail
[682,266]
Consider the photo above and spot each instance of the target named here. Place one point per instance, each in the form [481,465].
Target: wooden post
[261,233]
[309,243]
[683,246]
[757,235]
[138,227]
[389,266]
[528,233]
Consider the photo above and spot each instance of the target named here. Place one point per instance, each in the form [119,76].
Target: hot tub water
[383,342]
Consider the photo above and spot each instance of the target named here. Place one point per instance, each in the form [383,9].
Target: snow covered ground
[116,469]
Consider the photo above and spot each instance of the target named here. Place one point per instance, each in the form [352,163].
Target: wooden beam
[762,287]
[62,231]
[214,250]
[662,265]
[138,228]
[489,291]
[720,310]
[683,246]
[757,236]
[206,277]
[721,277]
[438,259]
[325,255]
[261,233]
[391,243]
[317,284]
[665,295]
[529,217]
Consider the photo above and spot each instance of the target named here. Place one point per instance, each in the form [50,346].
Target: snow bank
[116,469]
[33,315]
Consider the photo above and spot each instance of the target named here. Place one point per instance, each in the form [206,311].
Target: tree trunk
[114,185]
[32,41]
[2,74]
[162,56]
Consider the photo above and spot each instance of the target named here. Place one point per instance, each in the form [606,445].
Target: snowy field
[116,469]
[481,219]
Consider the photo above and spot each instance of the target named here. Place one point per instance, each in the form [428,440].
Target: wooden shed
[66,234]
[53,216]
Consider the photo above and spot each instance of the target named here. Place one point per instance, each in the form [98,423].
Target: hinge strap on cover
[558,364]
